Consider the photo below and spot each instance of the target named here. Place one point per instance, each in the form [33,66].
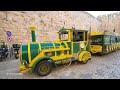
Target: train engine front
[41,57]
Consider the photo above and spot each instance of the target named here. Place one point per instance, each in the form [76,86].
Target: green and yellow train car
[104,42]
[72,45]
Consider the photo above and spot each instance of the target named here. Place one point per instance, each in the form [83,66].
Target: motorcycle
[3,53]
[16,48]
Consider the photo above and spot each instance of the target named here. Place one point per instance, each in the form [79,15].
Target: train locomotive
[72,45]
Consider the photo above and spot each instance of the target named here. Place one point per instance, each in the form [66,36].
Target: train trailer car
[104,42]
[72,45]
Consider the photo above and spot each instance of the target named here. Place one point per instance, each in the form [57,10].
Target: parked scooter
[3,53]
[16,48]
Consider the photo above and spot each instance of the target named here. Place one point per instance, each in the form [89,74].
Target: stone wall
[48,23]
[110,22]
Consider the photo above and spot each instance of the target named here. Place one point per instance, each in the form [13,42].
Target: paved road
[100,67]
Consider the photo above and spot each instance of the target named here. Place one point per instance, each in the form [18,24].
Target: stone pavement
[100,67]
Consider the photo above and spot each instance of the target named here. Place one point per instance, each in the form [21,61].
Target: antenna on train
[89,34]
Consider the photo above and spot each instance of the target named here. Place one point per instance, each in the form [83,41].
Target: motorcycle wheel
[0,58]
[6,55]
[16,56]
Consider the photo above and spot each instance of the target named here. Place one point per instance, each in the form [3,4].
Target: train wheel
[107,50]
[117,46]
[101,54]
[84,62]
[43,68]
[110,48]
[113,47]
[84,57]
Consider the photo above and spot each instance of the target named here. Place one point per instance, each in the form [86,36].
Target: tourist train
[71,45]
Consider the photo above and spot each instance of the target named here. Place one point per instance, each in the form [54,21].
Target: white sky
[97,13]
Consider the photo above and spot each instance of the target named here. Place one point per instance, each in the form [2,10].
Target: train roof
[96,33]
[104,33]
[73,29]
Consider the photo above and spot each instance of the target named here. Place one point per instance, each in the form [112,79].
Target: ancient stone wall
[48,23]
[110,22]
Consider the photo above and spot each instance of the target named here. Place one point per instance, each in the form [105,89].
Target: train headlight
[25,63]
[82,45]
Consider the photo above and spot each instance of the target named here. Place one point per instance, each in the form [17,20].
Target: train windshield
[64,35]
[96,40]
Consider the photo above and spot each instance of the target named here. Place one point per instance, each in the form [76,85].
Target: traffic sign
[8,33]
[9,39]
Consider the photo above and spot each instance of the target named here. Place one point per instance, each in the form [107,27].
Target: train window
[118,39]
[77,36]
[112,39]
[80,34]
[96,40]
[64,35]
[106,40]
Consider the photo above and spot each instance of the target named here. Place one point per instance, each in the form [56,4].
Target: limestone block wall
[48,23]
[110,22]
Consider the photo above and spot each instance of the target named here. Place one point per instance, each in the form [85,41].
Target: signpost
[9,34]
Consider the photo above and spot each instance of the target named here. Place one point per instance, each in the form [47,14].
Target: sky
[97,13]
